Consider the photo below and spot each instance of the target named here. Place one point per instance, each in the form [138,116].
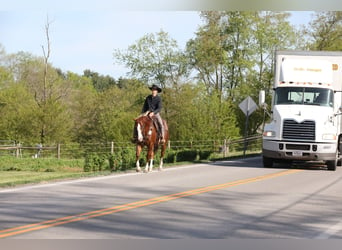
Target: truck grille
[299,131]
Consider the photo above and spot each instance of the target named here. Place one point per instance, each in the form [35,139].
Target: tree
[325,31]
[48,90]
[100,82]
[206,52]
[17,112]
[115,109]
[155,57]
[197,115]
[81,104]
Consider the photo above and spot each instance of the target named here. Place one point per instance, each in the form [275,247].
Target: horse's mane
[140,118]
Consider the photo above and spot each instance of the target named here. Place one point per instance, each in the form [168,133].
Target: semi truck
[306,120]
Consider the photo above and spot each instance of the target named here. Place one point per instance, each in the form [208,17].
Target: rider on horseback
[152,107]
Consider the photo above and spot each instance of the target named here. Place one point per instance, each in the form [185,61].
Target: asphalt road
[223,200]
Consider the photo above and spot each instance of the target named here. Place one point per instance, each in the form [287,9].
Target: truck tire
[331,165]
[339,150]
[268,162]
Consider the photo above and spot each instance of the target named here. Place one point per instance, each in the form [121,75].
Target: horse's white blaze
[140,136]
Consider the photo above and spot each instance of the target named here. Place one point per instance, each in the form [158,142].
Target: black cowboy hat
[155,87]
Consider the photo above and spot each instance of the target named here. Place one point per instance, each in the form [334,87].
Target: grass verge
[20,171]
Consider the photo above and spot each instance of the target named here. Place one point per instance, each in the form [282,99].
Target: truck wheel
[331,165]
[339,152]
[268,162]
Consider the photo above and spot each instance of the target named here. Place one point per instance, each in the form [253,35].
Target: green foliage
[186,155]
[324,31]
[122,159]
[174,156]
[100,83]
[155,57]
[10,163]
[204,154]
[95,162]
[230,57]
[170,156]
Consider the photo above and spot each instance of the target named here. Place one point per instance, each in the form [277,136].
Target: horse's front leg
[161,164]
[149,159]
[137,156]
[149,166]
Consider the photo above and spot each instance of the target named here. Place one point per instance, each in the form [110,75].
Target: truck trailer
[306,109]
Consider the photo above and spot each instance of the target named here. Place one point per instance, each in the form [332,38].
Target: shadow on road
[256,162]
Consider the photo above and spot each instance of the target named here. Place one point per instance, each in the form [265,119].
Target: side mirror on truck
[261,98]
[339,111]
[262,102]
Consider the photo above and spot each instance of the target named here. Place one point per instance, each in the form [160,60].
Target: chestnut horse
[148,136]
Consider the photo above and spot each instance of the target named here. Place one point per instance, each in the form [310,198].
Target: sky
[86,39]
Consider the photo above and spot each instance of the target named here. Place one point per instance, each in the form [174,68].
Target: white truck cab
[306,109]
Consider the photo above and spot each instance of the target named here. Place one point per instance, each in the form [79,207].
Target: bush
[115,162]
[170,156]
[128,158]
[122,159]
[187,155]
[204,155]
[94,162]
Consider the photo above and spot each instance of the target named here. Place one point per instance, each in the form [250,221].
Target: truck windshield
[304,96]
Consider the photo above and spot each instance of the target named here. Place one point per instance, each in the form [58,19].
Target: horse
[147,133]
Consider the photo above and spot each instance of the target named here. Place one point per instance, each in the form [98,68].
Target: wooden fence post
[112,147]
[225,148]
[17,150]
[58,151]
[228,145]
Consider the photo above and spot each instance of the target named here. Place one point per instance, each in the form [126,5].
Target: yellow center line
[101,212]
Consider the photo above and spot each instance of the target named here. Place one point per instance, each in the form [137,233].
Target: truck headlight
[329,137]
[269,133]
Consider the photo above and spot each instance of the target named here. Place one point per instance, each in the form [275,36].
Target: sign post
[248,106]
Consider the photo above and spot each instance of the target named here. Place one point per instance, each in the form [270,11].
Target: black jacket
[152,104]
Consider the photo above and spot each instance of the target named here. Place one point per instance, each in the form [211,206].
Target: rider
[152,107]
